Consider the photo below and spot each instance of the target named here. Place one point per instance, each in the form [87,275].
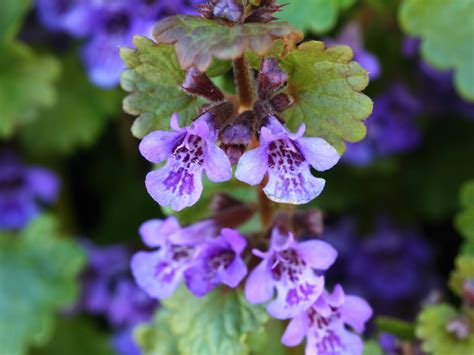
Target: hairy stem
[265,205]
[244,82]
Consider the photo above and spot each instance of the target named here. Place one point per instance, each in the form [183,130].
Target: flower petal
[294,298]
[234,273]
[155,232]
[153,274]
[318,254]
[174,186]
[198,281]
[356,312]
[294,187]
[159,145]
[252,166]
[217,164]
[296,330]
[259,286]
[234,239]
[333,339]
[318,153]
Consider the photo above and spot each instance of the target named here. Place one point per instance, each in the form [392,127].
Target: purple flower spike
[22,188]
[324,325]
[289,267]
[160,272]
[287,159]
[218,262]
[189,151]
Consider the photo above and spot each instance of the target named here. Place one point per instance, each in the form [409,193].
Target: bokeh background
[72,192]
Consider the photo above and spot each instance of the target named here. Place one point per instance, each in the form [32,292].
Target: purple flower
[324,325]
[160,272]
[287,159]
[351,35]
[22,189]
[218,261]
[108,25]
[109,290]
[189,152]
[124,344]
[391,128]
[75,17]
[228,9]
[293,269]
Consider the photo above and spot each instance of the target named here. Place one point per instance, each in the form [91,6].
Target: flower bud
[281,102]
[230,9]
[271,78]
[237,134]
[197,83]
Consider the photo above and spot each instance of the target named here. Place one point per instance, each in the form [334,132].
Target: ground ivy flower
[22,190]
[293,270]
[287,159]
[324,325]
[218,261]
[160,272]
[189,152]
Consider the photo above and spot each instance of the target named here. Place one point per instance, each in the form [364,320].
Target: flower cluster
[286,158]
[22,191]
[109,291]
[206,256]
[106,25]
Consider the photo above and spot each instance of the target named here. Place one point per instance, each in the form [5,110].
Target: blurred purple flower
[324,325]
[351,35]
[107,26]
[124,344]
[218,261]
[391,128]
[436,90]
[294,270]
[22,190]
[188,152]
[109,290]
[287,159]
[160,272]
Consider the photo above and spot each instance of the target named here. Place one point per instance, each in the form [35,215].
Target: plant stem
[244,82]
[265,205]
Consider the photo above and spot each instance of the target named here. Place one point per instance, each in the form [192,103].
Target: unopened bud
[237,134]
[309,221]
[281,102]
[264,13]
[271,78]
[197,83]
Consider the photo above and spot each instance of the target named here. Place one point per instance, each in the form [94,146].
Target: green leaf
[12,13]
[38,270]
[446,30]
[465,219]
[431,328]
[314,15]
[26,85]
[219,323]
[402,329]
[267,339]
[154,80]
[371,347]
[76,120]
[326,86]
[76,336]
[199,40]
[464,270]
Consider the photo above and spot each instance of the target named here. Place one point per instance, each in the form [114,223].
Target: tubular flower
[189,152]
[324,325]
[287,159]
[291,268]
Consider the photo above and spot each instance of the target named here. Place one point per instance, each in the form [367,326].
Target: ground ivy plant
[243,161]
